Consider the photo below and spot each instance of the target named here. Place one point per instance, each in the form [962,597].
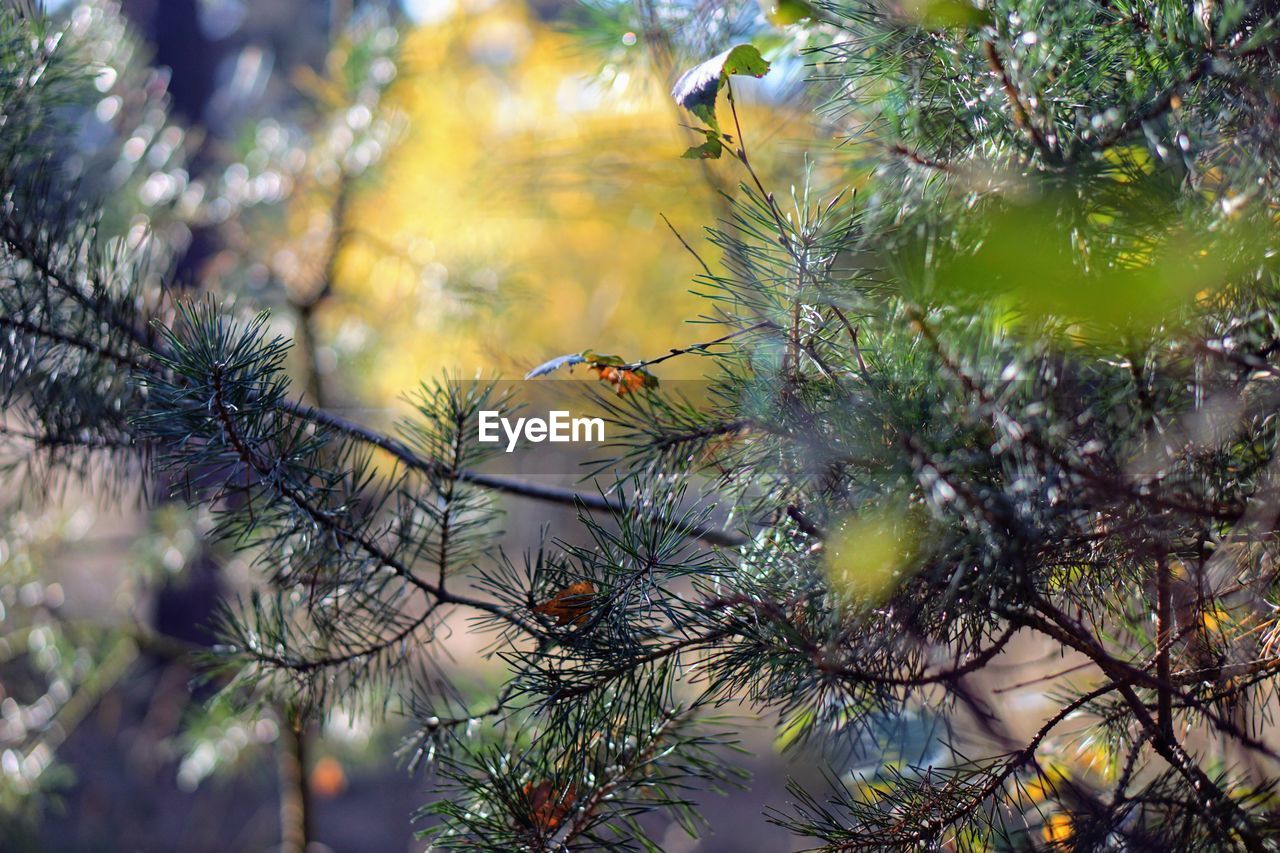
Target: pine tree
[1002,372]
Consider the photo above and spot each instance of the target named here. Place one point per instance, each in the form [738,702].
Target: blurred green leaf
[946,14]
[1119,260]
[782,13]
[869,553]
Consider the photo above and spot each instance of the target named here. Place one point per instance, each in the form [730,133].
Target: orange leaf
[571,604]
[546,808]
[1058,829]
[623,381]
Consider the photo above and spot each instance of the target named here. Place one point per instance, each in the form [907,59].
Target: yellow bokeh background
[519,215]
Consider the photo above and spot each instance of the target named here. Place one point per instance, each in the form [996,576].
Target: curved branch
[326,521]
[507,485]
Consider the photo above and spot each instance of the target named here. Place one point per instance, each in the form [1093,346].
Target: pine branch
[1021,115]
[327,522]
[519,488]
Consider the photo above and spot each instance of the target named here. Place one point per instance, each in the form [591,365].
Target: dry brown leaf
[570,605]
[546,807]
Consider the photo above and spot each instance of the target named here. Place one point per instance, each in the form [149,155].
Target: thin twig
[683,242]
[701,347]
[1164,631]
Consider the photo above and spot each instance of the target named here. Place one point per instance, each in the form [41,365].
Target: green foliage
[709,150]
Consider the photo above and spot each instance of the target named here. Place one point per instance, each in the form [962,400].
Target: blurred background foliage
[521,210]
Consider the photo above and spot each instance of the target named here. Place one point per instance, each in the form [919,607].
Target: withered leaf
[570,605]
[547,807]
[625,381]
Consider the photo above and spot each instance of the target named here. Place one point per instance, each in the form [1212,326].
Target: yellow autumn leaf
[1037,790]
[1214,618]
[1057,829]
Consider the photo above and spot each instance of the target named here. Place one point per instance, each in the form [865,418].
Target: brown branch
[295,793]
[702,347]
[853,338]
[402,452]
[920,160]
[977,662]
[806,526]
[1229,817]
[311,665]
[1071,634]
[653,655]
[18,243]
[54,442]
[1164,638]
[683,242]
[305,307]
[519,488]
[72,341]
[1021,116]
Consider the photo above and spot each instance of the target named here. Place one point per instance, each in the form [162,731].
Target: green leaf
[697,88]
[745,59]
[868,554]
[709,150]
[597,359]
